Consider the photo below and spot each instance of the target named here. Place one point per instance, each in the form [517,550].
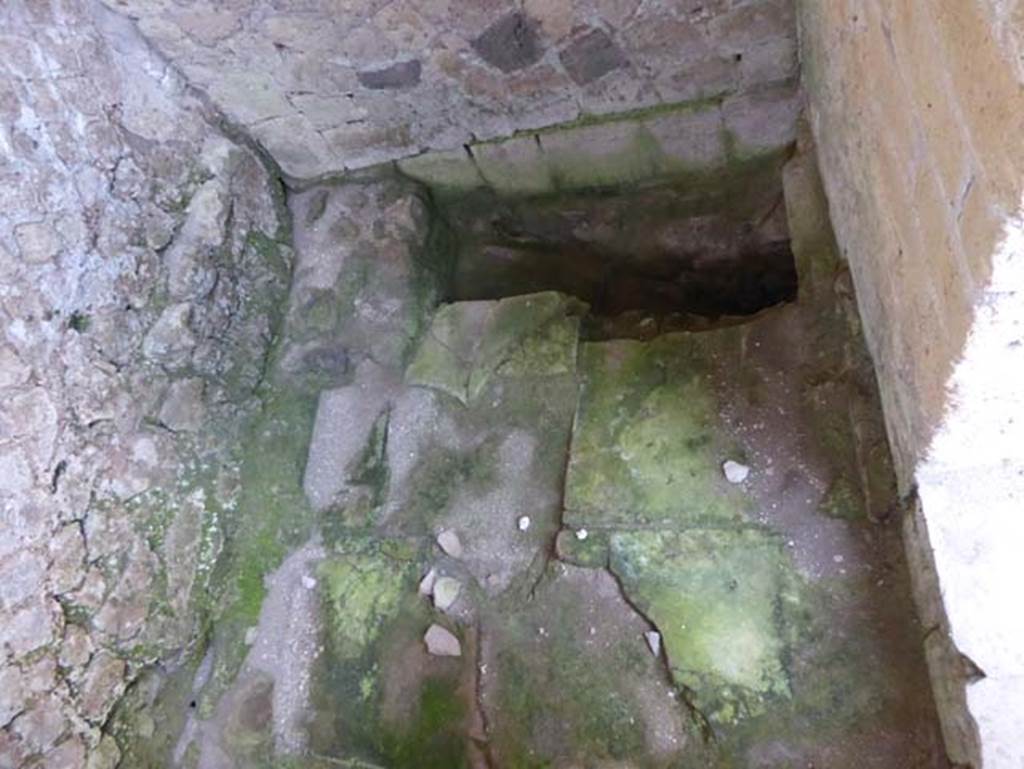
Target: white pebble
[581,534]
[524,523]
[442,642]
[427,583]
[734,471]
[448,541]
[308,582]
[653,638]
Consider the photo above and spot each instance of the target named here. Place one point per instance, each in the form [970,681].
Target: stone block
[102,684]
[647,444]
[591,56]
[471,343]
[949,687]
[601,155]
[510,43]
[453,170]
[37,242]
[12,695]
[688,141]
[21,576]
[29,628]
[514,167]
[350,423]
[403,74]
[713,597]
[763,121]
[184,409]
[295,144]
[772,61]
[170,340]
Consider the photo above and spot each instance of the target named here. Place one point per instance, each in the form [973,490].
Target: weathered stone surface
[348,435]
[21,576]
[441,642]
[360,285]
[129,243]
[590,56]
[762,121]
[30,627]
[404,74]
[171,341]
[567,678]
[515,166]
[715,598]
[183,408]
[930,193]
[471,343]
[510,43]
[12,694]
[453,170]
[102,683]
[308,86]
[647,445]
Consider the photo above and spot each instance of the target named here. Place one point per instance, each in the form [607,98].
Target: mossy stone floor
[618,602]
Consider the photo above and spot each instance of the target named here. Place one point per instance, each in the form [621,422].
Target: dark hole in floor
[675,256]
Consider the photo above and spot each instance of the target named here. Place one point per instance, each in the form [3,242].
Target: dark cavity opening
[688,255]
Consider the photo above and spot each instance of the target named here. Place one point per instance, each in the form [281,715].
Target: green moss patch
[378,698]
[648,443]
[570,681]
[470,343]
[715,597]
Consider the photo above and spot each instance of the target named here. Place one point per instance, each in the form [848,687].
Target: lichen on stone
[648,442]
[714,597]
[471,343]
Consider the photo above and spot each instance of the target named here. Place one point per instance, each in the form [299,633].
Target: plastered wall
[917,108]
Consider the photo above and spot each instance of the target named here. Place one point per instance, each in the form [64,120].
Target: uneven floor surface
[534,549]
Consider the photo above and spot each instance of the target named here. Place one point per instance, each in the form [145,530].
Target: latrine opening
[646,260]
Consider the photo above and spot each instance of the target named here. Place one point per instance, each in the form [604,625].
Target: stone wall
[139,275]
[330,87]
[917,108]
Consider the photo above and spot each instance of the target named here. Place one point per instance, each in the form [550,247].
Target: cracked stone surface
[779,611]
[139,257]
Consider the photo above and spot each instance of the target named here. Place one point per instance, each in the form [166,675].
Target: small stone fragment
[448,541]
[446,590]
[250,636]
[582,534]
[441,642]
[524,523]
[427,583]
[734,471]
[308,582]
[653,638]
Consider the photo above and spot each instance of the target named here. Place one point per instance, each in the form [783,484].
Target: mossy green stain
[648,442]
[713,597]
[362,593]
[436,738]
